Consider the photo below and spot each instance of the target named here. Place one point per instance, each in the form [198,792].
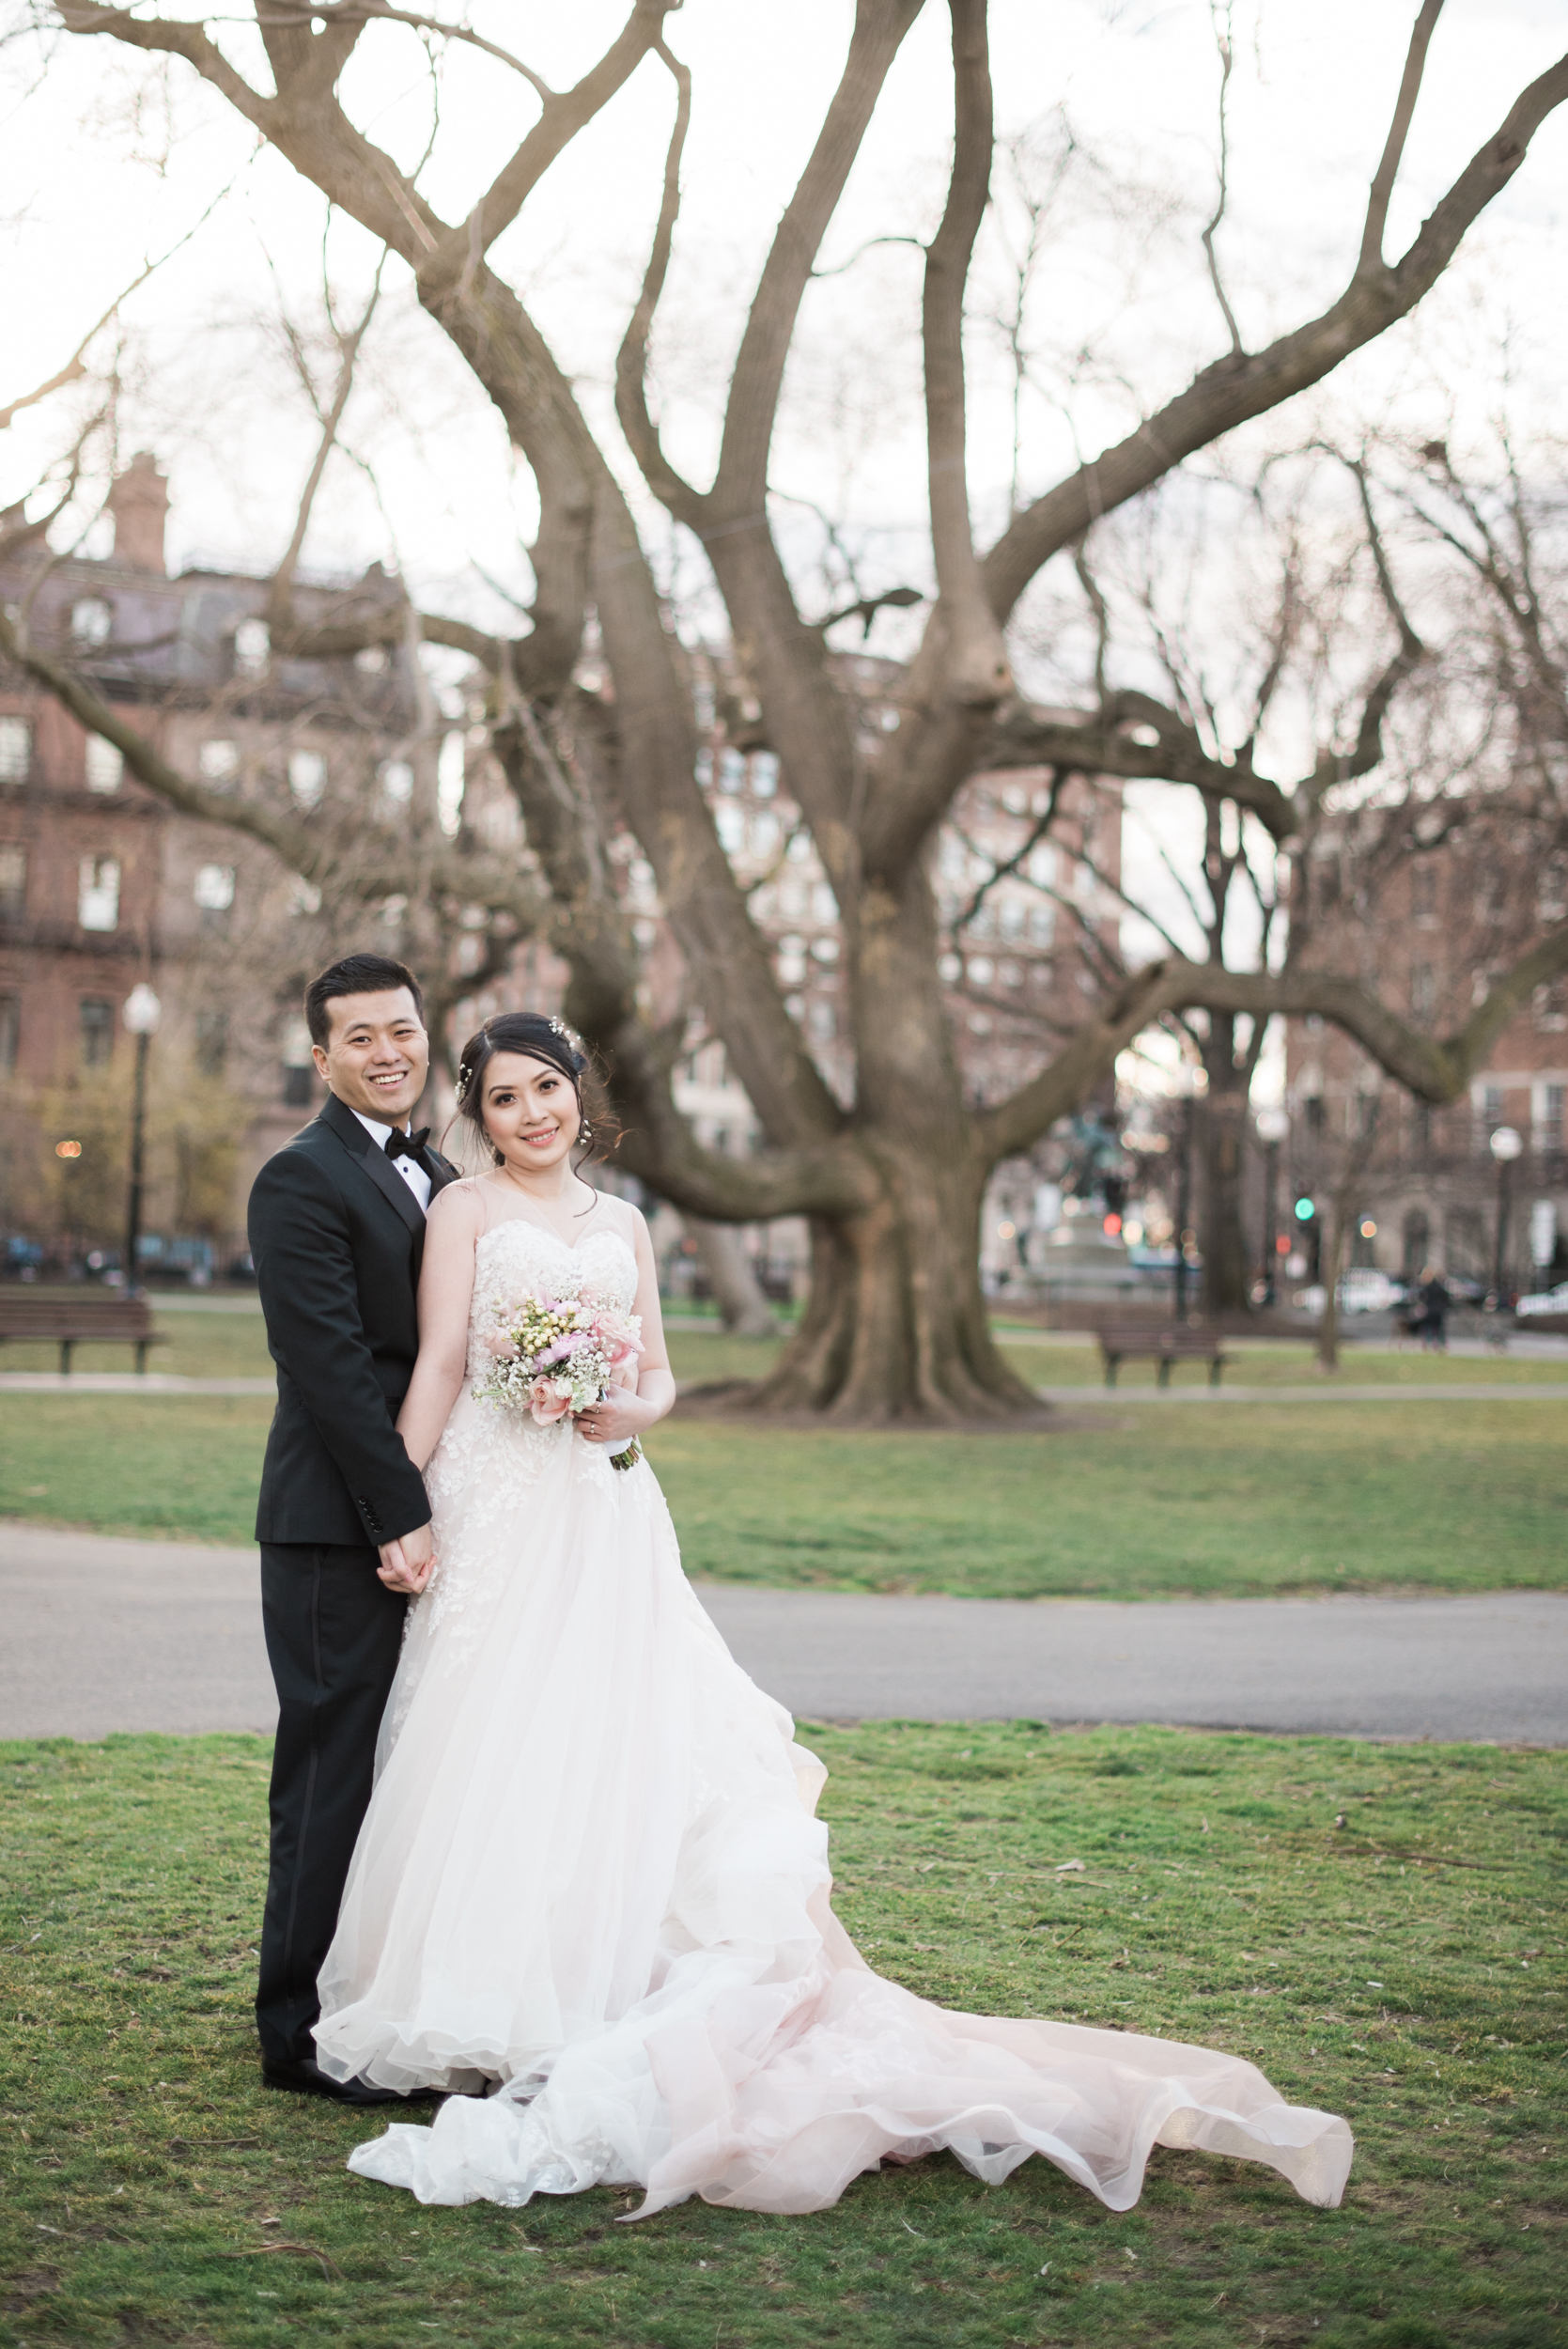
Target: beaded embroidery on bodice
[517,1256]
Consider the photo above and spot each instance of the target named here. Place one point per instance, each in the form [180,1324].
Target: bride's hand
[613,1418]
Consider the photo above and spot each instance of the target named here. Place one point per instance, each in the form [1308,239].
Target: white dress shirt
[415,1175]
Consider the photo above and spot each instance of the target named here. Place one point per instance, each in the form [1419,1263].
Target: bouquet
[556,1355]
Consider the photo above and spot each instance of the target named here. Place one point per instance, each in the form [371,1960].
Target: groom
[337,1231]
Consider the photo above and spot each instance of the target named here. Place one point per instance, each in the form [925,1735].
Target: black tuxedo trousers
[337,1236]
[332,1636]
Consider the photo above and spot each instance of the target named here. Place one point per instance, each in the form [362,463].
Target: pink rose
[550,1399]
[615,1337]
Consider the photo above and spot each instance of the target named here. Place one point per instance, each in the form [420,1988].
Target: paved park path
[104,1634]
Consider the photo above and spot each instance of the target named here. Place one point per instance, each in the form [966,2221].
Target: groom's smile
[377,1054]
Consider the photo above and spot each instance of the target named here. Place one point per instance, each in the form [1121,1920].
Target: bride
[590,1898]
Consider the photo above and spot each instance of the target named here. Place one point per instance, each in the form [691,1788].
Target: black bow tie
[401,1145]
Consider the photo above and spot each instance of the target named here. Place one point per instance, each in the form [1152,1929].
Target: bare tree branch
[1434,1069]
[632,360]
[1228,392]
[1399,130]
[975,664]
[1223,41]
[306,848]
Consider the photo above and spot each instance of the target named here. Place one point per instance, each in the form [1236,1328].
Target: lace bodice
[517,1255]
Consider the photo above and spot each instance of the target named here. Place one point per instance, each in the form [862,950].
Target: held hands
[408,1562]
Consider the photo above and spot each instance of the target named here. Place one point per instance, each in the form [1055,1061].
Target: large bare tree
[893,1181]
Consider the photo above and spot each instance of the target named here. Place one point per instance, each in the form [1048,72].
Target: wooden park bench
[1159,1343]
[93,1318]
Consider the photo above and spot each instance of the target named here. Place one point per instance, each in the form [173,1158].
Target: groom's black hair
[356,974]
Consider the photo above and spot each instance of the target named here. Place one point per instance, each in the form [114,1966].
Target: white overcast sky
[1311,96]
[106,159]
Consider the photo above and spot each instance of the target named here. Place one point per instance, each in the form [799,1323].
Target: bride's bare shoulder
[458,1206]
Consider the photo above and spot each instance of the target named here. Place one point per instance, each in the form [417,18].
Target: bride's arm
[635,1404]
[656,1380]
[445,1293]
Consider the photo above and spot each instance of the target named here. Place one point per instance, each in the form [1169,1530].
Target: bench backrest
[121,1317]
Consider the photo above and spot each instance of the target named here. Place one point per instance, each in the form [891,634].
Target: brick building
[1422,1185]
[103,885]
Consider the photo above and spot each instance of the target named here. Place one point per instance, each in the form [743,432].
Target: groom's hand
[407,1563]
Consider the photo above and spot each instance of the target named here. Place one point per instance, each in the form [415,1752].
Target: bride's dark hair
[542,1038]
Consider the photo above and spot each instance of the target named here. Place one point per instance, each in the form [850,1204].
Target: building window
[1423,991]
[1553,1098]
[98,1031]
[214,888]
[307,776]
[15,750]
[211,1042]
[823,1021]
[1491,1106]
[1313,1106]
[98,893]
[252,648]
[105,764]
[11,1030]
[1423,890]
[1551,1005]
[1416,1245]
[91,621]
[296,1086]
[219,762]
[13,882]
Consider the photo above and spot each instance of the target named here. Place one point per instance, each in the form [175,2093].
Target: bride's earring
[499,1156]
[584,1132]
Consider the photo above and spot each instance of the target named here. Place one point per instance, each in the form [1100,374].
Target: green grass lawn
[232,1344]
[1376,1926]
[1130,1503]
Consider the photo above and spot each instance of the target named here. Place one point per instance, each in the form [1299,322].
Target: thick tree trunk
[896,1327]
[736,1290]
[1222,1141]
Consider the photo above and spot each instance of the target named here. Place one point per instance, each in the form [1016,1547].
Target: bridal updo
[542,1038]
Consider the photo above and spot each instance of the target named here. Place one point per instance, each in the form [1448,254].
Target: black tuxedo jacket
[337,1236]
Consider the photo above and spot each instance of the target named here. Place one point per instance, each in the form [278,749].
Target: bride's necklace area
[568,1240]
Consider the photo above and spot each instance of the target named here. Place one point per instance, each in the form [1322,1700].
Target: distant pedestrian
[1435,1304]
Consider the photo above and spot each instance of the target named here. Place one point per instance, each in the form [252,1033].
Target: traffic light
[1305,1210]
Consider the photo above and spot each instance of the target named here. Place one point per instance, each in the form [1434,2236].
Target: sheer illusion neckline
[603,1230]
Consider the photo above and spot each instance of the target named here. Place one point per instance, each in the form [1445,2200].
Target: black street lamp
[1505,1145]
[142,1014]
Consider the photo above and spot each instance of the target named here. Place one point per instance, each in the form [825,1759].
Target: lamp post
[1273,1126]
[1505,1146]
[1184,1198]
[140,1013]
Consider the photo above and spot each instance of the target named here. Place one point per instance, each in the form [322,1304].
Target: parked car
[1544,1301]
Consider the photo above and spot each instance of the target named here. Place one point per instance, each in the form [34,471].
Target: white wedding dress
[591,1896]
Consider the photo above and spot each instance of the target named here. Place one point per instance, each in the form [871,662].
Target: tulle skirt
[591,1899]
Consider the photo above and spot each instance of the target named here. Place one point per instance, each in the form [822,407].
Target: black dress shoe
[306,2077]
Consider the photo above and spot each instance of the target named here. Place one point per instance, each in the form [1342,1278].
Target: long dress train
[591,1895]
